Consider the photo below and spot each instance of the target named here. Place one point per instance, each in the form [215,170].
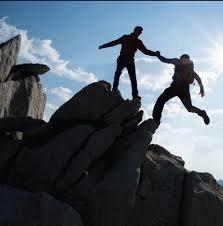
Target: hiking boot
[205,117]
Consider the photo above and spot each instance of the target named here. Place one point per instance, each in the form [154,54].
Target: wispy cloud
[36,50]
[146,59]
[63,93]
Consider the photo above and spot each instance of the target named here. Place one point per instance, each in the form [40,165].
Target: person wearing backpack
[184,75]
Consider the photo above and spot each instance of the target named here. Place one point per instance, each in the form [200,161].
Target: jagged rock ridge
[95,159]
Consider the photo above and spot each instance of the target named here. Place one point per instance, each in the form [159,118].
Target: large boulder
[8,55]
[159,194]
[90,104]
[22,98]
[18,207]
[108,189]
[202,200]
[37,168]
[76,155]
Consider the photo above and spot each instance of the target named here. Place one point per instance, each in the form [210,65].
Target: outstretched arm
[146,51]
[196,76]
[174,61]
[112,43]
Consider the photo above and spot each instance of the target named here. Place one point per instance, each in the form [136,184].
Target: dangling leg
[162,99]
[132,74]
[186,100]
[118,73]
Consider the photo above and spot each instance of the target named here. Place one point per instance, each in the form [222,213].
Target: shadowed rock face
[24,208]
[170,195]
[21,71]
[98,151]
[160,189]
[94,157]
[203,200]
[8,54]
[100,162]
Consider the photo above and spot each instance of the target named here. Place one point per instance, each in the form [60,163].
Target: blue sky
[66,36]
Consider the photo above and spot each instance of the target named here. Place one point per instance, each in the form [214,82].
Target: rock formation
[92,164]
[21,71]
[220,181]
[21,93]
[24,208]
[8,55]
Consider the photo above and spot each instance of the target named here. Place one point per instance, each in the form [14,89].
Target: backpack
[185,71]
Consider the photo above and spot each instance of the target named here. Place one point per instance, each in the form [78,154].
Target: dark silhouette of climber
[130,44]
[184,75]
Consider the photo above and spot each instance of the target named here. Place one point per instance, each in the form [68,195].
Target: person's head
[185,59]
[137,31]
[185,56]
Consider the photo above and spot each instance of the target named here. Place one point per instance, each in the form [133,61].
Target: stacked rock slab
[95,151]
[160,189]
[23,97]
[8,54]
[170,195]
[21,71]
[98,160]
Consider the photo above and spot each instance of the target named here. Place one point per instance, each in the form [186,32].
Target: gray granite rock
[22,98]
[202,201]
[159,194]
[8,55]
[89,104]
[21,71]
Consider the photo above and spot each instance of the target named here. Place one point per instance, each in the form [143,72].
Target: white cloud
[49,110]
[146,60]
[154,82]
[216,111]
[200,153]
[63,93]
[36,50]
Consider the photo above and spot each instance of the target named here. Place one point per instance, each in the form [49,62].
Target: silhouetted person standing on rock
[184,75]
[130,44]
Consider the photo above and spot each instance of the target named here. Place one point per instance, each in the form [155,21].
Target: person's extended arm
[112,43]
[168,60]
[196,76]
[146,51]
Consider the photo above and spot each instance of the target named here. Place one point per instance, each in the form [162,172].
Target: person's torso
[129,46]
[180,73]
